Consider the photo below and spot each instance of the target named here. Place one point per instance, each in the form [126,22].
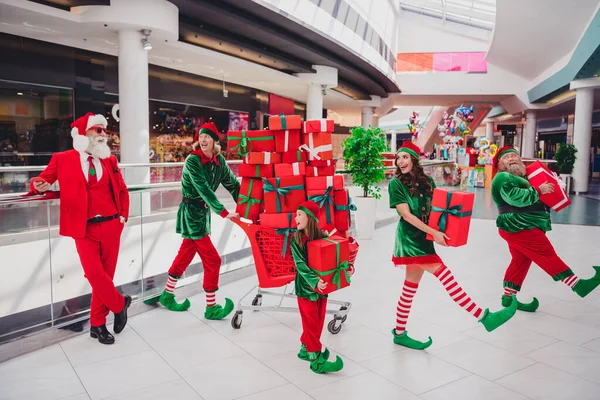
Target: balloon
[493,150]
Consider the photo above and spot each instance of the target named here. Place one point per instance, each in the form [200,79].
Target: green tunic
[512,190]
[200,181]
[306,279]
[410,241]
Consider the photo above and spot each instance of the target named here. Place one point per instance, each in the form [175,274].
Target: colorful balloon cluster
[414,124]
[487,151]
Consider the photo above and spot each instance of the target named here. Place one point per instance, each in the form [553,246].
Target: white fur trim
[94,120]
[80,142]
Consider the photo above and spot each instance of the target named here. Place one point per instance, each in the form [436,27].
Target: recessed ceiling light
[19,94]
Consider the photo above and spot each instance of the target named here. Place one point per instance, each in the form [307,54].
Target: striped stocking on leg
[171,283]
[571,281]
[408,293]
[457,293]
[211,299]
[510,291]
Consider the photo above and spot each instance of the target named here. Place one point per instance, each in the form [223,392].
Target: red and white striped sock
[211,299]
[510,291]
[408,293]
[457,293]
[171,283]
[571,281]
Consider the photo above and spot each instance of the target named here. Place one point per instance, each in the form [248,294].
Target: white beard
[98,147]
[516,169]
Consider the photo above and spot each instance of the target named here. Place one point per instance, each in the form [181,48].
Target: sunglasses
[100,130]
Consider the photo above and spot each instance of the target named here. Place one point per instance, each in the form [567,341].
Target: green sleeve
[193,166]
[397,193]
[229,181]
[432,183]
[517,196]
[302,268]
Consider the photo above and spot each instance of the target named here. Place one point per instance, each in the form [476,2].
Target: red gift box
[244,142]
[293,156]
[283,122]
[321,163]
[250,200]
[324,199]
[328,258]
[255,171]
[318,125]
[538,174]
[287,140]
[293,169]
[284,194]
[323,182]
[320,171]
[343,206]
[318,146]
[451,214]
[277,221]
[263,158]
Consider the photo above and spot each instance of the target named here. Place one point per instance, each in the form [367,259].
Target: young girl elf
[410,194]
[312,305]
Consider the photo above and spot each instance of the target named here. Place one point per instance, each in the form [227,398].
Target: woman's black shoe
[102,334]
[121,317]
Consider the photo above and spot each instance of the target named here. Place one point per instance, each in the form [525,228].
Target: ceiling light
[19,94]
[145,42]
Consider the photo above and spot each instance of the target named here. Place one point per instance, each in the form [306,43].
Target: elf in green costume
[204,170]
[523,223]
[312,304]
[410,194]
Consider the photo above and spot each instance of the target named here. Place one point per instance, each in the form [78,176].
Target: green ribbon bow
[341,267]
[280,192]
[324,200]
[286,232]
[245,145]
[243,199]
[349,207]
[454,210]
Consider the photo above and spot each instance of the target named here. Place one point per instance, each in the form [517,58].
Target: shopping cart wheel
[334,326]
[344,308]
[236,321]
[257,300]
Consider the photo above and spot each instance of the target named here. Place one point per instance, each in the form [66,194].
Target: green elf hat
[410,148]
[503,151]
[311,209]
[210,129]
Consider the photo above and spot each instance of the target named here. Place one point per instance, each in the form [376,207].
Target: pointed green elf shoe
[152,300]
[493,320]
[321,365]
[407,341]
[168,301]
[303,354]
[217,312]
[585,286]
[526,307]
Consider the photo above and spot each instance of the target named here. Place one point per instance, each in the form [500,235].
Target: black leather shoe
[121,318]
[102,334]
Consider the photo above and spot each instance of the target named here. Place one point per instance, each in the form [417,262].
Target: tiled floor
[552,354]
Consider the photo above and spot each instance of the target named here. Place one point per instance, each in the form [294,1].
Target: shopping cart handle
[242,222]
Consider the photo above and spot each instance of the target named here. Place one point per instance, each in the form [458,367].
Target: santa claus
[94,206]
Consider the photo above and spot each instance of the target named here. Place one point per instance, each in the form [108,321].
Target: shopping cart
[275,270]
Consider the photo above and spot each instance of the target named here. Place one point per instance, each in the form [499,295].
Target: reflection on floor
[552,354]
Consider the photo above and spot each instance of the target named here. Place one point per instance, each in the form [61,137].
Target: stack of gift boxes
[286,165]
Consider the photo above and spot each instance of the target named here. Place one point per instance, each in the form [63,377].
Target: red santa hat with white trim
[81,126]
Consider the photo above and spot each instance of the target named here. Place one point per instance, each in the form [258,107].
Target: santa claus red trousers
[312,314]
[211,261]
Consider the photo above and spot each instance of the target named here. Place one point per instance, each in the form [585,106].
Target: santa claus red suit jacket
[66,168]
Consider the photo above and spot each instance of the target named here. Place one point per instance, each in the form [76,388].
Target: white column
[582,137]
[393,142]
[314,102]
[366,116]
[489,131]
[134,109]
[375,120]
[529,135]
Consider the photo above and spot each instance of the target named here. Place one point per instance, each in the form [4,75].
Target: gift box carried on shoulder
[250,200]
[262,158]
[283,122]
[320,171]
[255,171]
[318,145]
[538,174]
[287,140]
[318,125]
[329,259]
[451,214]
[284,195]
[244,142]
[293,169]
[324,199]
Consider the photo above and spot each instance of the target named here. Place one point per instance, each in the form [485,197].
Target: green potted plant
[364,162]
[565,158]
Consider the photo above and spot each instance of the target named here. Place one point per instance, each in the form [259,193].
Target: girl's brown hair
[312,232]
[416,180]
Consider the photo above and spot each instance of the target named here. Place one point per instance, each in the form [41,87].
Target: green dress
[411,245]
[512,190]
[199,180]
[306,279]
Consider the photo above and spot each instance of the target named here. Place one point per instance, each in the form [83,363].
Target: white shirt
[85,165]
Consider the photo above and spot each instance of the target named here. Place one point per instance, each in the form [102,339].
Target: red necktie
[92,178]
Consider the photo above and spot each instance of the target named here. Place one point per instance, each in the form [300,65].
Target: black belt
[196,202]
[97,220]
[537,207]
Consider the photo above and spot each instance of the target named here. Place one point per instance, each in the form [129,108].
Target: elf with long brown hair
[312,304]
[410,194]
